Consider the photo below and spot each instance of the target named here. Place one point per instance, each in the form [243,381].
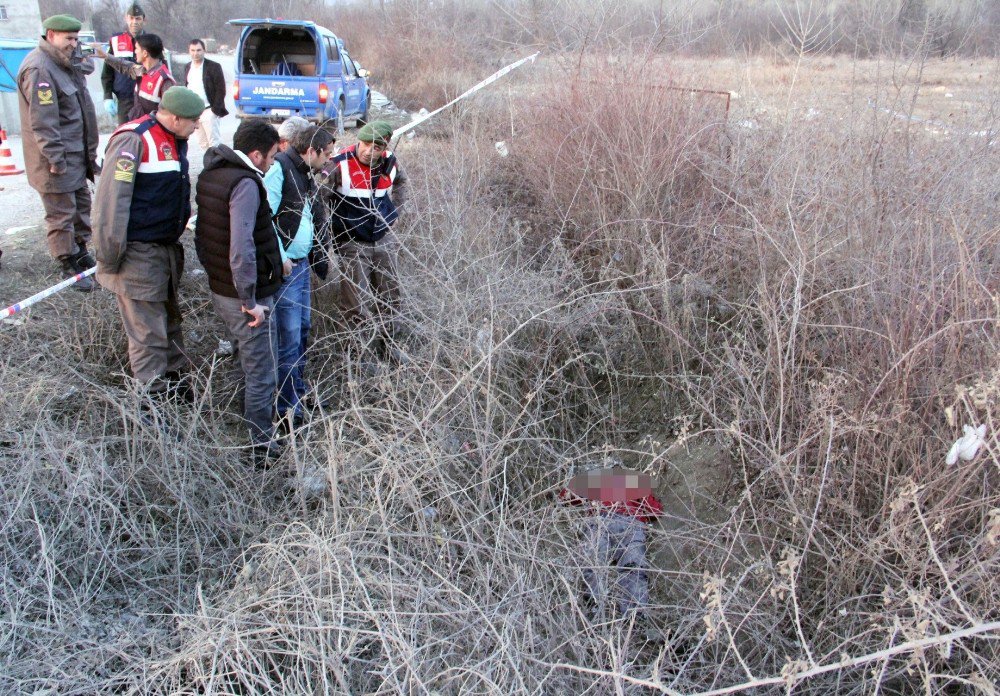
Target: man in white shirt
[204,77]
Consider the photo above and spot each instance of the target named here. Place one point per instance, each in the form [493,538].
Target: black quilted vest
[215,186]
[296,189]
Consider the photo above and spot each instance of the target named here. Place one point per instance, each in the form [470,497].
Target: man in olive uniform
[142,204]
[59,127]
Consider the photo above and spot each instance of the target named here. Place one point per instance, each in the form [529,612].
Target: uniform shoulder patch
[45,95]
[125,169]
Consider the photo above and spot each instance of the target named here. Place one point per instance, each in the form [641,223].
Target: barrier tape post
[38,297]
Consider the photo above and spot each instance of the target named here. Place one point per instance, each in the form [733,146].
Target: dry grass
[810,303]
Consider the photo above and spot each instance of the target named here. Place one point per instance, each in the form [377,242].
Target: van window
[348,64]
[332,55]
[279,51]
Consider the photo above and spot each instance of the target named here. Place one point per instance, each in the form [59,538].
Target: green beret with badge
[378,132]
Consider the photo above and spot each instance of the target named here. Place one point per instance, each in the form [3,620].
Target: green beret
[379,132]
[62,23]
[135,11]
[180,101]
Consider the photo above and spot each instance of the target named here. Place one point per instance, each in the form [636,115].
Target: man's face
[263,161]
[141,54]
[181,127]
[196,52]
[318,158]
[370,153]
[134,24]
[63,41]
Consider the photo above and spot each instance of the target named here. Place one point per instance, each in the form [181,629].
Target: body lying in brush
[621,503]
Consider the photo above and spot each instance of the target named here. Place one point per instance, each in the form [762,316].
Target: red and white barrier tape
[39,296]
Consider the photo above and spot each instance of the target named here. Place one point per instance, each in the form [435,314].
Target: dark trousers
[258,349]
[619,541]
[124,107]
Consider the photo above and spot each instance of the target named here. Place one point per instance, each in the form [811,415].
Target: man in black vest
[237,245]
[299,219]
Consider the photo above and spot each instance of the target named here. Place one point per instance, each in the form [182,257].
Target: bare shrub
[863,283]
[811,305]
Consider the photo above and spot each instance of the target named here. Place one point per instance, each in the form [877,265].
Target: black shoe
[153,418]
[387,350]
[179,387]
[288,424]
[311,403]
[83,258]
[397,355]
[71,268]
[263,456]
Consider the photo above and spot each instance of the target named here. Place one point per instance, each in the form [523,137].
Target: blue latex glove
[111,107]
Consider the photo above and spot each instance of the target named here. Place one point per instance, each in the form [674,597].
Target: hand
[258,312]
[98,50]
[286,268]
[111,107]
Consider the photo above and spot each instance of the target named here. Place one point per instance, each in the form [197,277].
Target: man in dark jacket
[119,86]
[204,77]
[151,75]
[238,247]
[59,126]
[143,202]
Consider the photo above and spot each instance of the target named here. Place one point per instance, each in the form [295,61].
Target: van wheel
[341,108]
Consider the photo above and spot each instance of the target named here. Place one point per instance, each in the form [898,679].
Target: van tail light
[324,93]
[236,90]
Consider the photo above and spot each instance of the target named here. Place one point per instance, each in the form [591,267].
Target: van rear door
[277,66]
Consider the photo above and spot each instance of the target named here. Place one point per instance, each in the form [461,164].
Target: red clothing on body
[645,509]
